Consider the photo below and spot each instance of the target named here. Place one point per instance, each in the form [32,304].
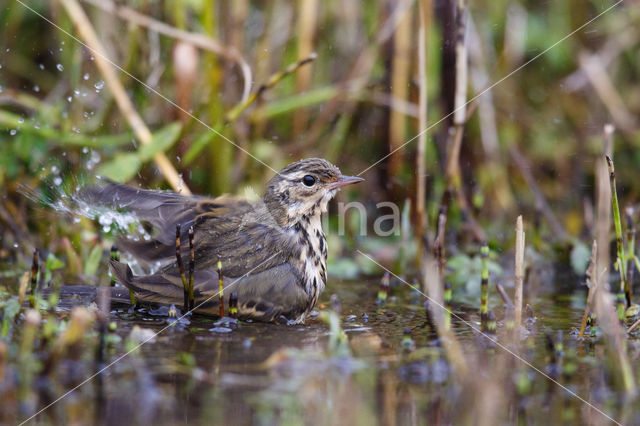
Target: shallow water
[257,373]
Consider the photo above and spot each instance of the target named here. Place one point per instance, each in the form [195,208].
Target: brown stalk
[606,91]
[603,205]
[452,347]
[306,30]
[425,8]
[106,67]
[439,242]
[519,272]
[401,60]
[201,41]
[358,76]
[453,175]
[609,52]
[603,300]
[590,281]
[493,164]
[614,333]
[183,277]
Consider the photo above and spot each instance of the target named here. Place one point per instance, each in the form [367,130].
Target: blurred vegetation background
[530,144]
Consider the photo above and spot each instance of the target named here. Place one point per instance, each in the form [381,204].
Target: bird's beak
[345,180]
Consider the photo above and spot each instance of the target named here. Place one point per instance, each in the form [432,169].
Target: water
[272,374]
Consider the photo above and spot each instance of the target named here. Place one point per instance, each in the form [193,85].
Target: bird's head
[303,189]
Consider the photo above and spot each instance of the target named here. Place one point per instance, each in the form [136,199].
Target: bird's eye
[308,180]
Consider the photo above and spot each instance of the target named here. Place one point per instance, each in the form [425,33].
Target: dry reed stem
[603,301]
[357,78]
[591,285]
[452,347]
[606,91]
[439,246]
[454,144]
[519,272]
[603,206]
[609,323]
[460,96]
[84,27]
[494,167]
[306,29]
[425,9]
[201,41]
[400,63]
[609,52]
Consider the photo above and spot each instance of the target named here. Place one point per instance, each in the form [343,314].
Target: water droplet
[41,66]
[86,76]
[85,150]
[99,86]
[59,67]
[15,245]
[57,181]
[69,98]
[12,132]
[36,88]
[21,120]
[92,58]
[76,92]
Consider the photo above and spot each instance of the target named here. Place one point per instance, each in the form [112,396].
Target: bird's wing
[264,295]
[245,243]
[226,228]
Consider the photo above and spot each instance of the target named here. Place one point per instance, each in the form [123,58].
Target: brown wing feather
[226,228]
[265,295]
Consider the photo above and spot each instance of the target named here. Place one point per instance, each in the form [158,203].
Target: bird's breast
[313,257]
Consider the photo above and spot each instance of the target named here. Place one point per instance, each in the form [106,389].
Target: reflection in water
[272,374]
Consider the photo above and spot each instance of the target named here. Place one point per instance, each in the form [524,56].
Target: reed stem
[34,278]
[221,288]
[484,287]
[519,272]
[620,262]
[185,284]
[192,263]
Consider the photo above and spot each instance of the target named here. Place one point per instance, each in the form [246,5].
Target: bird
[273,251]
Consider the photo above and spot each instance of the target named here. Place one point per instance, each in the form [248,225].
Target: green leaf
[51,264]
[161,141]
[121,168]
[9,311]
[124,166]
[93,261]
